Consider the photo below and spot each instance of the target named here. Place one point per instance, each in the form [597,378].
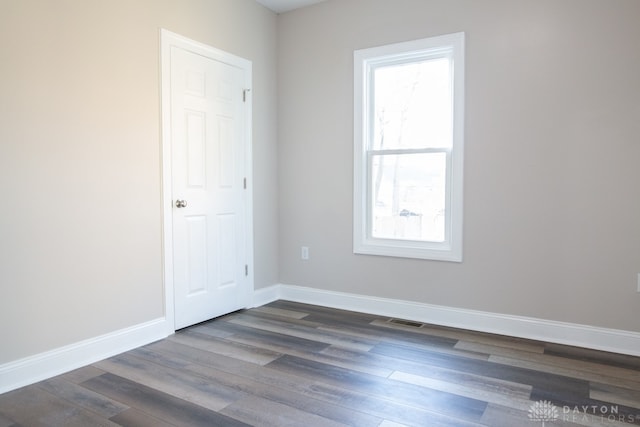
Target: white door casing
[208,247]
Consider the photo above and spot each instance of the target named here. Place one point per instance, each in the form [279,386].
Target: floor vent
[407,323]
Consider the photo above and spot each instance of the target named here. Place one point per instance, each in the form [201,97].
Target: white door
[209,200]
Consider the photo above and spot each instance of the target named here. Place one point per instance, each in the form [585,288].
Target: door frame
[167,41]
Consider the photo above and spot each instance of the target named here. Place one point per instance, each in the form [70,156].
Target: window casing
[408,149]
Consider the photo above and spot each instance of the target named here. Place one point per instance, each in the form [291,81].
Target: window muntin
[408,149]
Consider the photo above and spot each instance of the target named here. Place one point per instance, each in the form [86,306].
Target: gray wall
[552,194]
[80,227]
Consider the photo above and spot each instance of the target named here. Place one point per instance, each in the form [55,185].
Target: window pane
[412,105]
[408,195]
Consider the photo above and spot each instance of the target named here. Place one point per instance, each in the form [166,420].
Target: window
[408,147]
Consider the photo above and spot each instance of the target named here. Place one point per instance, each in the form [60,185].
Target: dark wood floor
[290,364]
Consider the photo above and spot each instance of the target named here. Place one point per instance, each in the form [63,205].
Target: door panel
[195,138]
[196,241]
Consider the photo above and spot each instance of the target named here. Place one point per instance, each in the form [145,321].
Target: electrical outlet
[304,253]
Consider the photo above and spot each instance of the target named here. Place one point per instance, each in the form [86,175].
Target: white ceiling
[282,6]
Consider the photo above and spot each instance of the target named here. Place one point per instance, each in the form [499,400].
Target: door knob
[181,203]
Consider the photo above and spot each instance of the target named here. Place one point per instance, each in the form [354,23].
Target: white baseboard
[266,295]
[55,362]
[36,368]
[597,338]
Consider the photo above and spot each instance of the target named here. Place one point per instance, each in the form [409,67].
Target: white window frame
[366,60]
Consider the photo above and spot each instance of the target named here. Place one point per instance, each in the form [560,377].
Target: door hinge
[246,269]
[245,183]
[244,94]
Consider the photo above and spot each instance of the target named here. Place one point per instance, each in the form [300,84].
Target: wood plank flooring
[291,364]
